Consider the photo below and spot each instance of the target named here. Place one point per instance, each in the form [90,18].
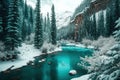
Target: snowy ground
[85,77]
[28,52]
[80,45]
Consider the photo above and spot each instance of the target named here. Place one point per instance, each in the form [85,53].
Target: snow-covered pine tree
[38,40]
[53,27]
[117,32]
[13,38]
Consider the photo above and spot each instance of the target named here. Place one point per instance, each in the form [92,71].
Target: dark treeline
[16,18]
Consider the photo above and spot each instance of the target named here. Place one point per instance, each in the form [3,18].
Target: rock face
[95,6]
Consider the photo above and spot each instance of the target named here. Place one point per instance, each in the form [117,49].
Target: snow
[28,52]
[75,44]
[93,0]
[118,21]
[50,48]
[79,45]
[73,72]
[63,13]
[63,19]
[46,5]
[55,50]
[85,77]
[114,75]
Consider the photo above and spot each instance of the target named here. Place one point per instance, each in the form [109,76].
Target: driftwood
[9,69]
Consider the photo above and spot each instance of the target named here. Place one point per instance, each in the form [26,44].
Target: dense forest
[23,15]
[20,23]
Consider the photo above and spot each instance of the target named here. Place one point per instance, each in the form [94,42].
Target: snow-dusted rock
[72,72]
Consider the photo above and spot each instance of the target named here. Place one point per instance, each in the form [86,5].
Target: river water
[55,67]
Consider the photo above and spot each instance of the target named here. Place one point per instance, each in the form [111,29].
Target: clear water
[55,67]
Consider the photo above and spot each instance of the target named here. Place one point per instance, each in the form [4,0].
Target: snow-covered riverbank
[85,77]
[27,53]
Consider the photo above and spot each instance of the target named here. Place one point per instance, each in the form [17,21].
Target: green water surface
[55,67]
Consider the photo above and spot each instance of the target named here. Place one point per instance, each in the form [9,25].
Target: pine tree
[0,18]
[26,10]
[13,38]
[87,26]
[45,25]
[31,19]
[53,27]
[38,40]
[115,12]
[94,30]
[1,29]
[117,32]
[24,30]
[48,27]
[101,29]
[108,23]
[4,13]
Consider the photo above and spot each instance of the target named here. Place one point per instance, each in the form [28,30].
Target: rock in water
[72,72]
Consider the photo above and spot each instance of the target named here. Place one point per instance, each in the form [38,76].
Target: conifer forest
[59,39]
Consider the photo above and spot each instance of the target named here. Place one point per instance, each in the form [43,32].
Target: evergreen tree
[0,18]
[26,10]
[94,29]
[115,13]
[1,28]
[1,25]
[117,32]
[24,30]
[38,40]
[22,3]
[87,26]
[31,19]
[108,23]
[112,16]
[4,13]
[48,27]
[101,28]
[45,25]
[13,38]
[53,27]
